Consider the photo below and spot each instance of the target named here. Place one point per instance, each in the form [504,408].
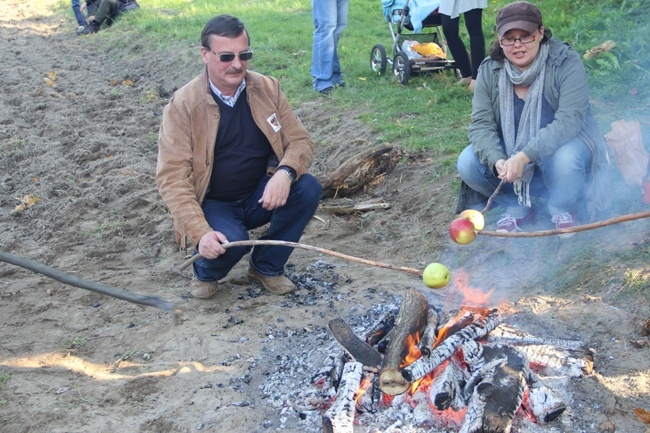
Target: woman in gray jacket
[532,127]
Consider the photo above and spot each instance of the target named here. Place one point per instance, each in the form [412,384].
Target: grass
[429,113]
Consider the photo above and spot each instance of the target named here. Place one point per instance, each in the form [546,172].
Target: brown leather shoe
[279,285]
[203,289]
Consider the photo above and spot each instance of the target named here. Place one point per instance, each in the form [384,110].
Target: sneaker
[203,289]
[93,27]
[509,224]
[326,91]
[279,285]
[565,220]
[80,29]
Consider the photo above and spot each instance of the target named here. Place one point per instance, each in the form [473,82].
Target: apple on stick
[436,275]
[462,231]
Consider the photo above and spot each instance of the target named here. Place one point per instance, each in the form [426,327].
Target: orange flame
[363,387]
[471,296]
[414,351]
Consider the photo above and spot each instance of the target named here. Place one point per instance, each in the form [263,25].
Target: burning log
[411,321]
[339,418]
[447,387]
[559,362]
[378,330]
[541,402]
[497,390]
[429,334]
[448,347]
[510,335]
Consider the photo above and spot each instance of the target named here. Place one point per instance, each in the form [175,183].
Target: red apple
[462,231]
[475,217]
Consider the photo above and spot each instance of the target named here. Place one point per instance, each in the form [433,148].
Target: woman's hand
[512,168]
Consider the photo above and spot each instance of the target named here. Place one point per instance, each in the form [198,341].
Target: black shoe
[326,91]
[93,27]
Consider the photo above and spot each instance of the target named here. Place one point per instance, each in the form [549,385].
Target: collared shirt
[229,100]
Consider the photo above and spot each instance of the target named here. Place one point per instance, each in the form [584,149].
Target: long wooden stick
[590,226]
[254,242]
[152,301]
[488,205]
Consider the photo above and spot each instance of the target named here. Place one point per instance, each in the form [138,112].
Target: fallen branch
[250,243]
[581,228]
[152,301]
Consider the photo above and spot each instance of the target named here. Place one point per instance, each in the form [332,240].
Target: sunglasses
[229,57]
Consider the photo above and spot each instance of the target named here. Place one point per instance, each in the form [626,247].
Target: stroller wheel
[378,59]
[402,68]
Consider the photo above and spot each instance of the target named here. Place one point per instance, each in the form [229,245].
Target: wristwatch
[290,172]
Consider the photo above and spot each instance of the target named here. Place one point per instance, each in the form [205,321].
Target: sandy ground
[78,129]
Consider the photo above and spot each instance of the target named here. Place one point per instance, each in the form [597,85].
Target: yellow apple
[436,275]
[462,231]
[475,217]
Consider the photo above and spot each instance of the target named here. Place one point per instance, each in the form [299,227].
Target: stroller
[405,58]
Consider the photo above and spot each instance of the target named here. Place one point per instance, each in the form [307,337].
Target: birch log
[411,321]
[339,418]
[448,347]
[499,393]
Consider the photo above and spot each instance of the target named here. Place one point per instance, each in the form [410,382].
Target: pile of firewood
[472,364]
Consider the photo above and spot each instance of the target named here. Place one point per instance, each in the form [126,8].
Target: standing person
[330,18]
[532,126]
[79,16]
[233,157]
[472,11]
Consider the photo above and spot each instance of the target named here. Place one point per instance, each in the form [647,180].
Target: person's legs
[456,45]
[227,218]
[476,39]
[287,224]
[104,10]
[76,7]
[565,175]
[330,18]
[482,179]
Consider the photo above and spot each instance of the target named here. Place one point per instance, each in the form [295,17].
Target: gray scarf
[530,117]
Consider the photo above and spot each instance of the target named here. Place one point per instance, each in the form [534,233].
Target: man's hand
[210,245]
[512,168]
[276,191]
[83,7]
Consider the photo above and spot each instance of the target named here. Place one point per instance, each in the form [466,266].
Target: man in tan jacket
[233,157]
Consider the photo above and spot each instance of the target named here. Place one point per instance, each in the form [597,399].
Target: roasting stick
[152,301]
[580,228]
[488,205]
[590,226]
[253,242]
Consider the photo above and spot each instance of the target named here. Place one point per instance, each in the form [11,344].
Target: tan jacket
[186,145]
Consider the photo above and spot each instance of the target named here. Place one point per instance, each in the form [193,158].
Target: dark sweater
[241,153]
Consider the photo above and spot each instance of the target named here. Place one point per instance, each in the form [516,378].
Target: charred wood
[507,334]
[447,387]
[411,321]
[339,418]
[378,330]
[541,402]
[448,347]
[554,361]
[429,334]
[499,391]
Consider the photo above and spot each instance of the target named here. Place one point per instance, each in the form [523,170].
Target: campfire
[466,372]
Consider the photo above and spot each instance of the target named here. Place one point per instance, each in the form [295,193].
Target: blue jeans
[561,177]
[76,7]
[330,18]
[234,219]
